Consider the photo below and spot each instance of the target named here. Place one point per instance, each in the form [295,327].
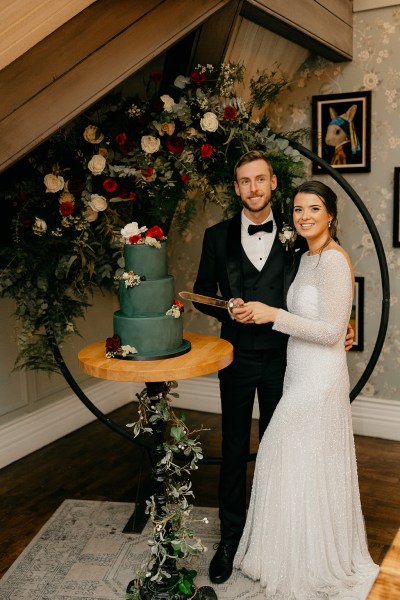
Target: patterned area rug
[82,554]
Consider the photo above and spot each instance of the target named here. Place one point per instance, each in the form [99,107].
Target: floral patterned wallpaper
[375,67]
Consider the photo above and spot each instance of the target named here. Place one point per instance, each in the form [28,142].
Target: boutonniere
[287,236]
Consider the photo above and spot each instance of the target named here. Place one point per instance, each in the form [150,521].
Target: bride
[304,537]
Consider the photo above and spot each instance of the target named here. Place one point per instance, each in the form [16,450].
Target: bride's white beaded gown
[304,537]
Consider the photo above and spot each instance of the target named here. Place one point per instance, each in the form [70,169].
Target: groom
[244,258]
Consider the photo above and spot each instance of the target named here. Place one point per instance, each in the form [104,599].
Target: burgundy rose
[127,147]
[120,139]
[76,186]
[113,343]
[175,144]
[185,178]
[110,185]
[198,78]
[66,208]
[155,232]
[230,113]
[206,150]
[156,75]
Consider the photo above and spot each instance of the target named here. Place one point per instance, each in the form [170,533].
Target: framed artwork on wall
[396,208]
[342,131]
[357,315]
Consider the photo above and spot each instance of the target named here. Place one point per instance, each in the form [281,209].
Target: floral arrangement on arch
[127,159]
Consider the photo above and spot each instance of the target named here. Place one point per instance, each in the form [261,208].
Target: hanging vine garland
[128,159]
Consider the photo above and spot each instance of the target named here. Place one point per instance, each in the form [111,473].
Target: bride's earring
[329,223]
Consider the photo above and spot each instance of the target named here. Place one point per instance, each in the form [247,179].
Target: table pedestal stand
[208,354]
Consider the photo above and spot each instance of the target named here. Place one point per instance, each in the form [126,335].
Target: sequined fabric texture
[304,537]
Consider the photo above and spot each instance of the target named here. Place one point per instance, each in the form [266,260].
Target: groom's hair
[249,157]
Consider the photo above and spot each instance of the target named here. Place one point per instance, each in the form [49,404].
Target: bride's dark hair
[327,196]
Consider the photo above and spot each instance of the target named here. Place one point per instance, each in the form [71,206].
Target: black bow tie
[268,227]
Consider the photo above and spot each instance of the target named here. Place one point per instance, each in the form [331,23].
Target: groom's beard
[259,208]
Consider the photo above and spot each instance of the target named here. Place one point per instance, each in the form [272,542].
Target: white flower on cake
[176,309]
[130,278]
[132,229]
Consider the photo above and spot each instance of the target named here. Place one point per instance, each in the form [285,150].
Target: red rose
[180,305]
[132,196]
[206,150]
[175,144]
[110,185]
[155,232]
[147,173]
[198,78]
[113,343]
[120,139]
[66,208]
[134,239]
[185,178]
[156,76]
[229,112]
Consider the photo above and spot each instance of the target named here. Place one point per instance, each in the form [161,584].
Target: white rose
[150,144]
[181,82]
[93,135]
[168,102]
[39,227]
[97,203]
[287,234]
[97,164]
[132,229]
[53,183]
[209,122]
[90,214]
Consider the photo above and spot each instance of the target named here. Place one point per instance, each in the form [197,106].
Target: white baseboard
[371,416]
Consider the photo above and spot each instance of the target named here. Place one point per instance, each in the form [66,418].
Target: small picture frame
[396,208]
[342,131]
[357,315]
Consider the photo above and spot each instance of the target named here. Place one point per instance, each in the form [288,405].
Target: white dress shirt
[258,246]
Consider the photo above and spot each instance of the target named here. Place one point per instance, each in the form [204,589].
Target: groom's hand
[349,341]
[240,312]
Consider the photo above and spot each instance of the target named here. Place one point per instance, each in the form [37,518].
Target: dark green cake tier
[149,335]
[150,298]
[146,260]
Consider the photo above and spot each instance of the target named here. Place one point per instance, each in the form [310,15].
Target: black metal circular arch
[375,353]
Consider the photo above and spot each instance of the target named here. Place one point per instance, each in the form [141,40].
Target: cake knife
[207,300]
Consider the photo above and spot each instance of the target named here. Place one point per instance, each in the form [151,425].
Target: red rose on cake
[155,232]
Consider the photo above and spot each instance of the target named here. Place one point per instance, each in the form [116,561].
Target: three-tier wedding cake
[148,325]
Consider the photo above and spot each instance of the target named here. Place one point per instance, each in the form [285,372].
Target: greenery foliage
[127,159]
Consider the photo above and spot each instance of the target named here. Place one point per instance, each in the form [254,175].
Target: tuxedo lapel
[234,256]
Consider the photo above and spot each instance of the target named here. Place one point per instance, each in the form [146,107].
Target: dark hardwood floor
[94,463]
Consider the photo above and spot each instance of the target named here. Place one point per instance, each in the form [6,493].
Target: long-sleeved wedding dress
[304,537]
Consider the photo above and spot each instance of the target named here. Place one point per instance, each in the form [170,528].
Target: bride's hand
[262,313]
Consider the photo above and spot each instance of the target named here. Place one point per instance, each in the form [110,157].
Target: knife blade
[204,299]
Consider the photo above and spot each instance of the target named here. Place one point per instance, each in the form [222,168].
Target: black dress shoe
[222,564]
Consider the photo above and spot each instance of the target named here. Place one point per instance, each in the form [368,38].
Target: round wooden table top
[207,355]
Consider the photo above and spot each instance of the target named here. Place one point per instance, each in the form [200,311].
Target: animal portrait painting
[341,130]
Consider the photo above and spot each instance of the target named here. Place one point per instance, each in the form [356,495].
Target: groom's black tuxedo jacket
[225,271]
